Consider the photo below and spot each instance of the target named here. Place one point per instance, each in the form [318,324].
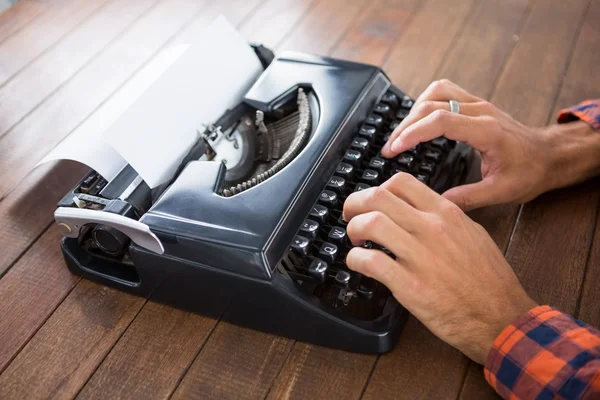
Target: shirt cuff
[545,354]
[588,111]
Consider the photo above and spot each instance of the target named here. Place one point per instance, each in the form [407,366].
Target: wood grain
[28,210]
[61,356]
[30,292]
[19,15]
[549,264]
[275,16]
[30,86]
[370,37]
[49,29]
[323,26]
[420,51]
[235,363]
[479,54]
[67,107]
[150,358]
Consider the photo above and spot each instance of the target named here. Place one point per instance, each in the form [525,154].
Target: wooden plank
[30,292]
[476,63]
[313,372]
[19,15]
[49,29]
[67,107]
[30,86]
[61,356]
[150,358]
[580,84]
[420,51]
[235,363]
[370,38]
[536,248]
[327,19]
[274,16]
[28,210]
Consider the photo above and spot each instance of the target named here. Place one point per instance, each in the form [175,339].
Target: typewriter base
[276,306]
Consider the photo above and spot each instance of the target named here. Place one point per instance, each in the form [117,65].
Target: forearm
[574,156]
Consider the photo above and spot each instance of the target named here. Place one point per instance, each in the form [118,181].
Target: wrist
[574,154]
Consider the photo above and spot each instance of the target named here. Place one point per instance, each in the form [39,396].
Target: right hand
[518,162]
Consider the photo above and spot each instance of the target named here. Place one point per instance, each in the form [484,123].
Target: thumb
[474,195]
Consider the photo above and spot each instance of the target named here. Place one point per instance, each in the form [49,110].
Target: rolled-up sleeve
[545,354]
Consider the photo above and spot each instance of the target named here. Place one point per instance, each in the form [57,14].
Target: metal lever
[70,220]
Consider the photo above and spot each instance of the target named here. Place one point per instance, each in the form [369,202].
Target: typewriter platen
[250,228]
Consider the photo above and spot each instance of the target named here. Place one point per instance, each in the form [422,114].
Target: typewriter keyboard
[318,251]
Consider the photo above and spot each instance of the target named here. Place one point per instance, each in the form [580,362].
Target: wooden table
[62,337]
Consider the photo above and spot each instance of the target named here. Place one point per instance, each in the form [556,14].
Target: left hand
[448,273]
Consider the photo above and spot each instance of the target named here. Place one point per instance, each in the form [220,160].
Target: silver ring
[454,107]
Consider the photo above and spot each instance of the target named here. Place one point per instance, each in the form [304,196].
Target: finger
[423,110]
[413,192]
[445,90]
[377,227]
[475,195]
[382,200]
[477,132]
[377,265]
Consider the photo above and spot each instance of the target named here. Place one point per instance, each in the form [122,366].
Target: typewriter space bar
[70,220]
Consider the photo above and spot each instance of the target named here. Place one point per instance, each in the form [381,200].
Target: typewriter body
[264,246]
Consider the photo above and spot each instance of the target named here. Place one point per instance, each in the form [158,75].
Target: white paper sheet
[87,145]
[152,122]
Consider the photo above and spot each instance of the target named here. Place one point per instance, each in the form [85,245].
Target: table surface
[63,337]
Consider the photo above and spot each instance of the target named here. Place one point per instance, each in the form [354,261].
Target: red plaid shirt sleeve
[545,354]
[588,111]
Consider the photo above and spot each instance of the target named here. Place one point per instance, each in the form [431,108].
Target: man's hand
[518,162]
[448,272]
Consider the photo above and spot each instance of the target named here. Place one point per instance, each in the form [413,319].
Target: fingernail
[397,145]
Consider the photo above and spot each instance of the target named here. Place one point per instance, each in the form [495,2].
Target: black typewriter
[249,229]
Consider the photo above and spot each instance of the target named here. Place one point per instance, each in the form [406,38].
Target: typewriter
[249,229]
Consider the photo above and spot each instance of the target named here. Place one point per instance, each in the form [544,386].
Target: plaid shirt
[546,354]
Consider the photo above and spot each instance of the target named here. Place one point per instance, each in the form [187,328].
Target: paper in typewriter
[153,121]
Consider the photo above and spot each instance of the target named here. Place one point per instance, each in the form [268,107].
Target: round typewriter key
[370,177]
[336,184]
[361,144]
[300,245]
[367,132]
[342,279]
[328,252]
[318,269]
[375,120]
[328,198]
[345,170]
[353,157]
[405,160]
[377,164]
[337,235]
[391,99]
[319,213]
[407,102]
[309,228]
